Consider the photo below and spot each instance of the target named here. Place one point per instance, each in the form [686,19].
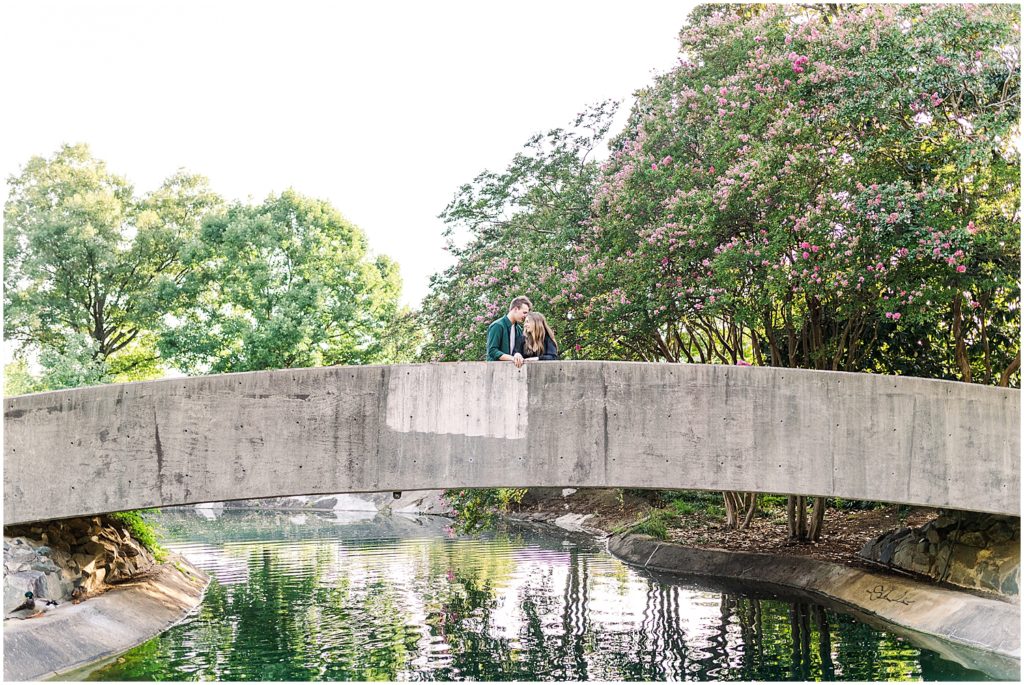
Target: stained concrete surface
[71,636]
[476,424]
[977,632]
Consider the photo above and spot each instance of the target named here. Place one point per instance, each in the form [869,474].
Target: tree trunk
[959,346]
[739,508]
[1004,378]
[817,519]
[730,509]
[751,508]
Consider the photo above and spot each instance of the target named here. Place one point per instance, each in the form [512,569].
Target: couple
[508,342]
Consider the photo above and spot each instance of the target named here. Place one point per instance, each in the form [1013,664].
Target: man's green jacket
[497,338]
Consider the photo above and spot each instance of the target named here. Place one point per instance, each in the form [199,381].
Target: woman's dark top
[550,349]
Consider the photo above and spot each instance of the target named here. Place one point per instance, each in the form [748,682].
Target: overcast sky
[382,108]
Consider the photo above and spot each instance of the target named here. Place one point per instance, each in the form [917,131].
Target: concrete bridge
[567,424]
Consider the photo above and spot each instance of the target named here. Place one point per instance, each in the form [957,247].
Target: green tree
[511,233]
[285,284]
[83,255]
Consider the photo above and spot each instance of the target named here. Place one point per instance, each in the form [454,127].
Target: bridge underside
[561,424]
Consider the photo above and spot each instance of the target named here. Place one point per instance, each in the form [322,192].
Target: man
[503,334]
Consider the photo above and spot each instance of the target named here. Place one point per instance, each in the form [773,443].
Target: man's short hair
[519,302]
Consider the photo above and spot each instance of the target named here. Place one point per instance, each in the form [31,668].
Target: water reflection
[395,598]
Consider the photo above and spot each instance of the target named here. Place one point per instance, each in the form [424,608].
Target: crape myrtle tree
[284,284]
[816,188]
[90,267]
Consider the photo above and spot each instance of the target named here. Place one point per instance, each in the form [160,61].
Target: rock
[44,565]
[903,557]
[887,551]
[1010,584]
[90,567]
[972,538]
[932,535]
[989,579]
[17,584]
[1001,532]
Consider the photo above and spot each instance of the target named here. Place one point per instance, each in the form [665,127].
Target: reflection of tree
[302,615]
[828,671]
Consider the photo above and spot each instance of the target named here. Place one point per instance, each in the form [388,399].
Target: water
[353,596]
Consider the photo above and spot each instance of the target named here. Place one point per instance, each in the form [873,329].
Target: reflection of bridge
[578,424]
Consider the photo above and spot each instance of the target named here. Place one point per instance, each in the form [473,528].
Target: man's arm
[494,352]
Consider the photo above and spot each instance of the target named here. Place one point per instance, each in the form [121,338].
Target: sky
[382,108]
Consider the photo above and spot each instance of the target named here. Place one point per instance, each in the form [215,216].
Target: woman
[538,341]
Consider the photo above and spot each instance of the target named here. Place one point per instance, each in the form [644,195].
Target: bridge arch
[565,424]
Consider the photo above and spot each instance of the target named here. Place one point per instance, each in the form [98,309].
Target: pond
[361,596]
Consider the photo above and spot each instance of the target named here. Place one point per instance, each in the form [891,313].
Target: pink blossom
[742,362]
[961,268]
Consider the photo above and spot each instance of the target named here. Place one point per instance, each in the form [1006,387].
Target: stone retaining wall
[976,551]
[53,558]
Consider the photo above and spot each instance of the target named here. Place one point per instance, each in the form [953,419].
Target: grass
[655,524]
[142,531]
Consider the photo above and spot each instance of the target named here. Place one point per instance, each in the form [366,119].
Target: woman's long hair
[535,334]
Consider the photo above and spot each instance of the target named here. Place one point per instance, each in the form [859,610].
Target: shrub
[141,530]
[655,525]
[477,509]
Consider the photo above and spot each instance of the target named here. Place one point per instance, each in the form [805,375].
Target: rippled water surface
[354,596]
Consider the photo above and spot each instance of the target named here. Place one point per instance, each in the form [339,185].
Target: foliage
[476,509]
[654,524]
[507,230]
[141,530]
[18,380]
[817,190]
[811,187]
[284,284]
[73,365]
[83,255]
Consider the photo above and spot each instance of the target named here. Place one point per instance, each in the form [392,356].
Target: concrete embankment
[975,631]
[72,636]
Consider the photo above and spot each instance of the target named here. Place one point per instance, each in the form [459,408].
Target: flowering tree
[805,187]
[820,189]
